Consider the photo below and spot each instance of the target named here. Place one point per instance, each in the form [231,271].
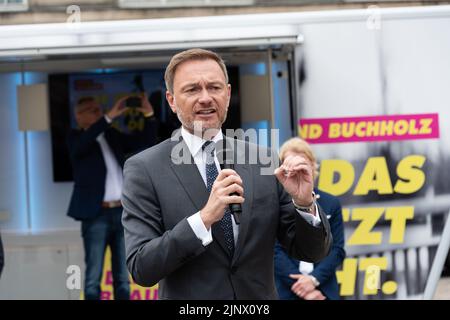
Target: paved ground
[443,289]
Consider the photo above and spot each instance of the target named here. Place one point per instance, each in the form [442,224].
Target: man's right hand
[227,182]
[118,109]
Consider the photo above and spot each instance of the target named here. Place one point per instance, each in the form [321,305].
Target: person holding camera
[97,153]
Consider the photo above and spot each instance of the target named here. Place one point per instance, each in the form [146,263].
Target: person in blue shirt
[296,279]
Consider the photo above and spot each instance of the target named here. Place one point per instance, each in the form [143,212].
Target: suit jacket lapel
[186,170]
[219,236]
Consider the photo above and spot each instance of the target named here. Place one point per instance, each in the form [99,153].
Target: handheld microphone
[235,208]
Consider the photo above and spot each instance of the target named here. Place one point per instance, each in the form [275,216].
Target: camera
[133,102]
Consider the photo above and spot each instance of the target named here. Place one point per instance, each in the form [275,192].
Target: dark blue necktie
[211,175]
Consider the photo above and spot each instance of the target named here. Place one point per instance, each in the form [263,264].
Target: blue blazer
[325,270]
[88,165]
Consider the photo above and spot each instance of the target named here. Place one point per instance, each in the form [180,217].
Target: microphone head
[225,154]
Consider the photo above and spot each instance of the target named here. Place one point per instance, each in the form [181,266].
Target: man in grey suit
[178,228]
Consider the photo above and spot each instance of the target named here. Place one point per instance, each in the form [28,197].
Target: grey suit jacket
[158,197]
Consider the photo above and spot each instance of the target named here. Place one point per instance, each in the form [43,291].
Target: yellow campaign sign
[106,287]
[389,175]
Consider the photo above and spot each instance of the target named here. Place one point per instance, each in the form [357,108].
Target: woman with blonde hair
[296,279]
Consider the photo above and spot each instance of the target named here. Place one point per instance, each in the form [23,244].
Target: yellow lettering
[348,128]
[310,131]
[386,128]
[373,128]
[363,234]
[412,127]
[401,127]
[328,169]
[347,276]
[334,130]
[398,216]
[412,177]
[315,131]
[425,125]
[346,214]
[359,130]
[302,130]
[375,176]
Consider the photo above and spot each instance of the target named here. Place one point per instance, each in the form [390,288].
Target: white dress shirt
[305,267]
[114,178]
[195,144]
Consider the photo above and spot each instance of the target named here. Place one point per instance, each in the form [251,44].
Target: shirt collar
[195,143]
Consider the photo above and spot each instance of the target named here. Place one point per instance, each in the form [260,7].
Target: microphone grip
[236,210]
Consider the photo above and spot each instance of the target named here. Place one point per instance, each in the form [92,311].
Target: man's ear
[171,100]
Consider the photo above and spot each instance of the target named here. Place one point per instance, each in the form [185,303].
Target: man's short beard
[196,127]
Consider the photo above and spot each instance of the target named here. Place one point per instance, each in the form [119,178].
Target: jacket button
[233,269]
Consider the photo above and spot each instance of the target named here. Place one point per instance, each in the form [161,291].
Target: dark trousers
[104,230]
